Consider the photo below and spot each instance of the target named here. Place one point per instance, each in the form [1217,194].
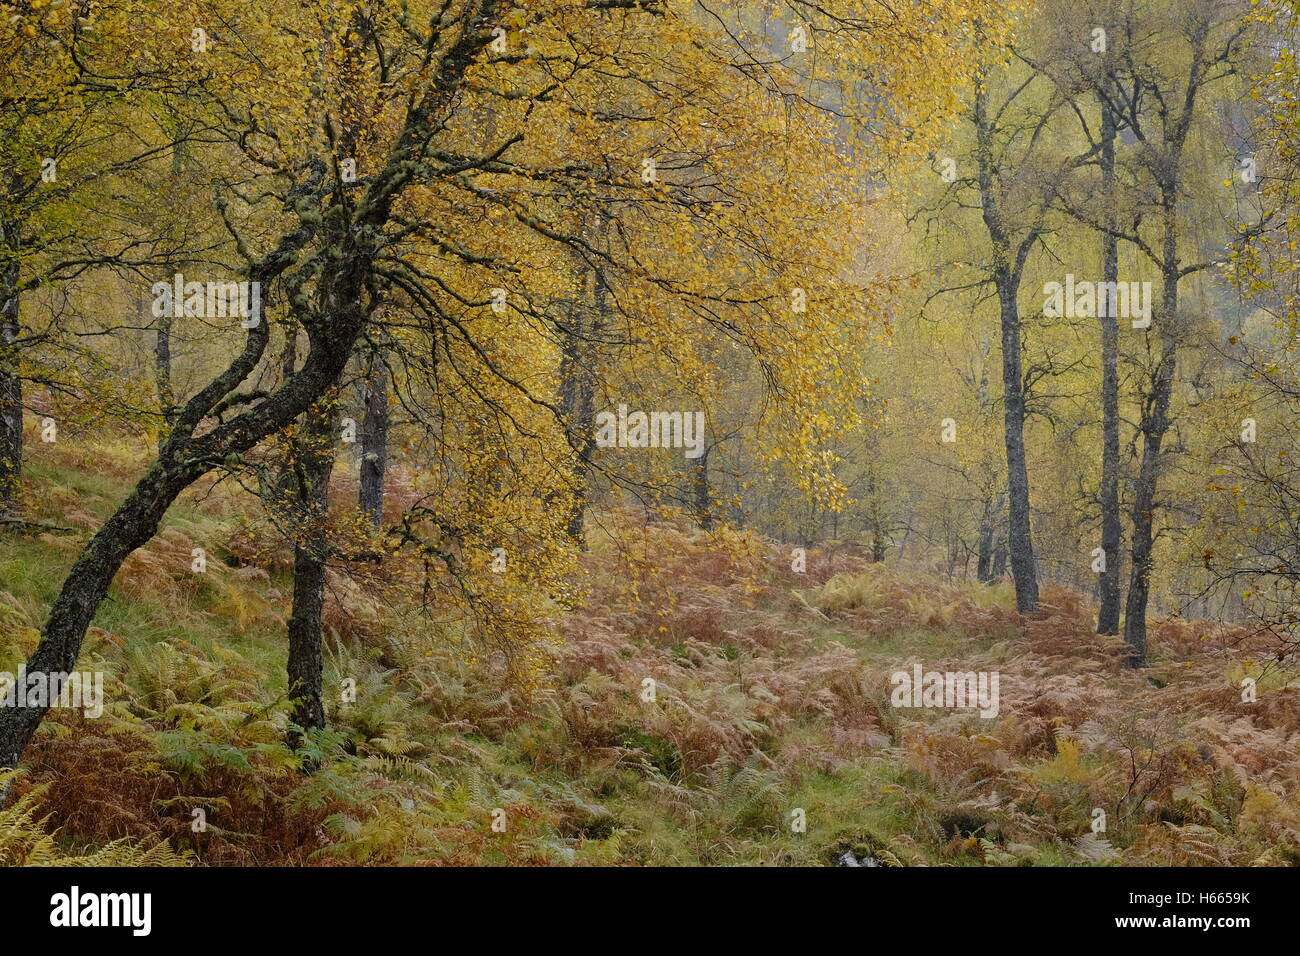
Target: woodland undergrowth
[771,696]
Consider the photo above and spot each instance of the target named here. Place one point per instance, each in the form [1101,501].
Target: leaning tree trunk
[312,465]
[130,527]
[1111,528]
[183,459]
[338,316]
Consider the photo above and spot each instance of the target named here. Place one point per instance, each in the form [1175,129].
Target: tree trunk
[577,400]
[313,463]
[11,391]
[984,548]
[999,559]
[1111,528]
[879,548]
[1007,272]
[338,317]
[879,545]
[305,665]
[374,443]
[162,353]
[578,394]
[703,494]
[130,527]
[1020,543]
[1154,425]
[183,459]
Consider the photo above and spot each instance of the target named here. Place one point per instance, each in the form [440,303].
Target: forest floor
[771,737]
